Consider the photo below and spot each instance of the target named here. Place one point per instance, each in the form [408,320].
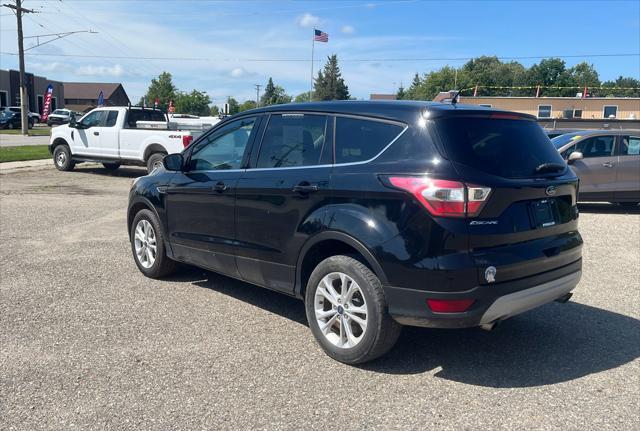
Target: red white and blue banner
[101,99]
[46,109]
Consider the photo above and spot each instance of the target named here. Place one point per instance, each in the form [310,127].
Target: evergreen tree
[401,94]
[234,106]
[329,85]
[274,95]
[215,111]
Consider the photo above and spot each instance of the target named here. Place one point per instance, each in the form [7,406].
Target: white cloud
[348,29]
[308,20]
[90,70]
[239,72]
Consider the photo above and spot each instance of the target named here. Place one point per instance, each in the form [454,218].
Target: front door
[86,138]
[201,200]
[628,172]
[281,198]
[597,169]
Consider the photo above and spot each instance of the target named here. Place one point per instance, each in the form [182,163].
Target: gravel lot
[87,342]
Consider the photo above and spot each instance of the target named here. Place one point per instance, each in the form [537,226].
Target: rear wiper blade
[550,167]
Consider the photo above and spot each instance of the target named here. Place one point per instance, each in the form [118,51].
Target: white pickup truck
[117,135]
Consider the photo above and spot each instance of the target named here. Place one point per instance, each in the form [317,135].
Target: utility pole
[258,94]
[19,10]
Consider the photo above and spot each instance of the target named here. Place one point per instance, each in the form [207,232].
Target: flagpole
[313,45]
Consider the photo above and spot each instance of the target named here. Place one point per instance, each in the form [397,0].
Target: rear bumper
[493,302]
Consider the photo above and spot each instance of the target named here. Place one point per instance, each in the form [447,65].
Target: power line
[291,60]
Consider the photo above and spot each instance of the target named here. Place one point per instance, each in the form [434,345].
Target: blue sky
[212,45]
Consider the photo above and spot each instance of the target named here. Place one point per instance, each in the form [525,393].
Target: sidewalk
[20,140]
[12,166]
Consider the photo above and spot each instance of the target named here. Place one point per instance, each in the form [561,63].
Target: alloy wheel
[145,243]
[340,310]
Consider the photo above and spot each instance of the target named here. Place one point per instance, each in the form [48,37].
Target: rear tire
[148,247]
[62,158]
[154,161]
[342,296]
[111,166]
[30,125]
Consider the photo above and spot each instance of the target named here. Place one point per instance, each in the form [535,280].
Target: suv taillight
[186,140]
[444,198]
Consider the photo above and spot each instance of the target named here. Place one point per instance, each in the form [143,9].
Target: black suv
[376,214]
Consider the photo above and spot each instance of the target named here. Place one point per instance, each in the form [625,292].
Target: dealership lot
[87,342]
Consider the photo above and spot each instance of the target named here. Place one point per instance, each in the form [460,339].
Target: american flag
[320,36]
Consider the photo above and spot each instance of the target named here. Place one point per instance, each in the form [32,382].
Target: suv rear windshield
[504,147]
[136,115]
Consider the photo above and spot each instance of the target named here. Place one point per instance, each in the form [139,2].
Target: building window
[54,104]
[4,98]
[486,105]
[40,103]
[544,111]
[577,113]
[610,111]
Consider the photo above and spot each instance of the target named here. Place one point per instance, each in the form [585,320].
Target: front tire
[154,161]
[148,247]
[62,158]
[347,311]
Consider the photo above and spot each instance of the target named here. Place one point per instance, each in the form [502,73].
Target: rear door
[201,200]
[628,169]
[281,198]
[528,223]
[597,168]
[108,144]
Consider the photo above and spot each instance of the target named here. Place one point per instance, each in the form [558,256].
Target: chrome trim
[527,299]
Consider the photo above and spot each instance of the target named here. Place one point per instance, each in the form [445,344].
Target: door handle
[220,187]
[96,133]
[305,187]
[607,165]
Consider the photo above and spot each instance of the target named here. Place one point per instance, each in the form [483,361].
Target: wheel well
[135,209]
[152,149]
[56,142]
[322,250]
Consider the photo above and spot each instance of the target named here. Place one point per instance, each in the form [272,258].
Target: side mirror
[173,162]
[72,122]
[576,155]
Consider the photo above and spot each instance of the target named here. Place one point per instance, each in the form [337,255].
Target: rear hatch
[528,223]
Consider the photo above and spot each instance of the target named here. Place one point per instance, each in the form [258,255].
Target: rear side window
[292,140]
[630,146]
[358,140]
[503,147]
[111,118]
[136,115]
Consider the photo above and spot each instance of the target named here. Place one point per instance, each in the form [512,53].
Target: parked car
[114,136]
[32,117]
[376,214]
[60,116]
[607,163]
[10,120]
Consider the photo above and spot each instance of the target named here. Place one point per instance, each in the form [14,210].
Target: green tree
[329,85]
[246,105]
[631,85]
[401,94]
[412,91]
[234,106]
[194,103]
[215,111]
[551,72]
[274,95]
[161,88]
[302,97]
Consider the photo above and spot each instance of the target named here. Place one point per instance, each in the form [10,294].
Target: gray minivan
[607,163]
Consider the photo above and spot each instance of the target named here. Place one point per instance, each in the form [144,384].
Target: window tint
[135,115]
[507,148]
[598,146]
[610,112]
[359,140]
[223,149]
[112,116]
[292,140]
[544,111]
[93,119]
[630,146]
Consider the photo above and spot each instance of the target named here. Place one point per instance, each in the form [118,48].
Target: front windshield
[6,114]
[562,140]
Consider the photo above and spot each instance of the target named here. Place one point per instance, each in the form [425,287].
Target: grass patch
[26,152]
[36,131]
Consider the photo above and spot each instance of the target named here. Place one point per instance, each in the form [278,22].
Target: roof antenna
[455,98]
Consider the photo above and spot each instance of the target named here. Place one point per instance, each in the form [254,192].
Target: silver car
[607,163]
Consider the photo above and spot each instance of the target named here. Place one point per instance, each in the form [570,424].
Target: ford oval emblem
[550,191]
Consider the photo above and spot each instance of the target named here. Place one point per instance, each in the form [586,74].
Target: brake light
[186,140]
[505,116]
[449,305]
[444,198]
